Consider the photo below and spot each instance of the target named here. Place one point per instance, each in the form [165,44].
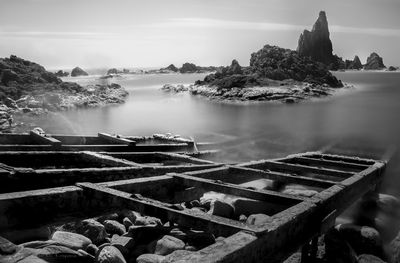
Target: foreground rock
[27,88]
[77,71]
[374,62]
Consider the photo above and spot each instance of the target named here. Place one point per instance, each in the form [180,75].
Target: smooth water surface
[364,119]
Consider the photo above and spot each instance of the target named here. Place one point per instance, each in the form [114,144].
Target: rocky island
[27,88]
[276,74]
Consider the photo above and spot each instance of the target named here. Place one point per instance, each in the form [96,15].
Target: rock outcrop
[172,68]
[62,73]
[354,64]
[317,44]
[188,68]
[113,71]
[272,63]
[275,74]
[26,87]
[77,71]
[374,62]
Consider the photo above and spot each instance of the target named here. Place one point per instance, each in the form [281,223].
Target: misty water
[363,120]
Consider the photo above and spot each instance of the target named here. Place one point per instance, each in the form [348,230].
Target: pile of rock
[121,237]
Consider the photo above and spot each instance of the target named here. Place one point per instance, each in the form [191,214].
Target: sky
[156,33]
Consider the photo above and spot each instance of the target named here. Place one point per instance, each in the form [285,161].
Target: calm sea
[363,120]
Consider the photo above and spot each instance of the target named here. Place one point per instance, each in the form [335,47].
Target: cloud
[223,24]
[385,32]
[264,26]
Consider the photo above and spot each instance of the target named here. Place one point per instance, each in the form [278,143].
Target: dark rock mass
[317,44]
[354,64]
[62,73]
[278,63]
[172,67]
[272,63]
[188,68]
[112,71]
[374,62]
[77,71]
[26,87]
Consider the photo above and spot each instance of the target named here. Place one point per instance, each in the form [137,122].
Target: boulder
[114,227]
[127,223]
[299,192]
[92,249]
[200,239]
[93,230]
[176,232]
[167,244]
[394,249]
[112,216]
[147,220]
[150,258]
[374,62]
[221,208]
[337,250]
[146,234]
[366,258]
[110,254]
[123,243]
[363,239]
[55,253]
[258,219]
[71,240]
[393,68]
[244,206]
[31,259]
[131,215]
[77,71]
[177,254]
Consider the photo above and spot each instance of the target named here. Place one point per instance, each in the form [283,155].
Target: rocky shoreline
[26,88]
[128,236]
[284,92]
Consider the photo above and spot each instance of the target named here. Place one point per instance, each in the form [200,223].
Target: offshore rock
[354,64]
[62,73]
[188,68]
[77,71]
[172,68]
[374,62]
[317,44]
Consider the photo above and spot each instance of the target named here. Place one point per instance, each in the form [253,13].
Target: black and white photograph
[199,131]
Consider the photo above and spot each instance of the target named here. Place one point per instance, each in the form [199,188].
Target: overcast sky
[131,33]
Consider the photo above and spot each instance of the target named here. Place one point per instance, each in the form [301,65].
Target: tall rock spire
[317,44]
